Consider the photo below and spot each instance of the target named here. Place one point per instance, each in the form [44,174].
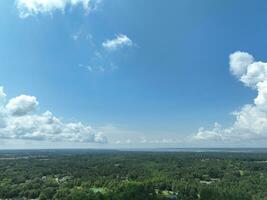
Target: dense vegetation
[116,175]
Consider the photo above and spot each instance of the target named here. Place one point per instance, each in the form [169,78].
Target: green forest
[125,175]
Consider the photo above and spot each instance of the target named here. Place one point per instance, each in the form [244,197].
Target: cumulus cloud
[28,8]
[251,119]
[118,42]
[239,62]
[18,121]
[22,105]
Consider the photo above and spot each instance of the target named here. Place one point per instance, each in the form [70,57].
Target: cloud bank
[251,119]
[18,120]
[119,42]
[28,8]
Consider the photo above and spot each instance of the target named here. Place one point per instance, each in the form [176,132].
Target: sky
[133,74]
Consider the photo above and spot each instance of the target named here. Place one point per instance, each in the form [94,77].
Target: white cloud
[2,95]
[118,42]
[158,141]
[239,62]
[100,138]
[28,8]
[251,119]
[102,60]
[128,141]
[17,122]
[143,140]
[95,68]
[216,133]
[155,140]
[22,105]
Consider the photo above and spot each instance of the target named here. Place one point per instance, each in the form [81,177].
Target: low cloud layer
[28,8]
[18,120]
[251,119]
[119,42]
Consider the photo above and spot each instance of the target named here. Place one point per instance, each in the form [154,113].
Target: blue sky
[166,79]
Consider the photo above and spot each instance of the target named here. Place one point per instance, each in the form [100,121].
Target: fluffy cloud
[22,105]
[251,119]
[118,42]
[18,122]
[239,62]
[28,8]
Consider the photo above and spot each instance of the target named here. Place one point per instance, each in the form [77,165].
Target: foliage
[116,175]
